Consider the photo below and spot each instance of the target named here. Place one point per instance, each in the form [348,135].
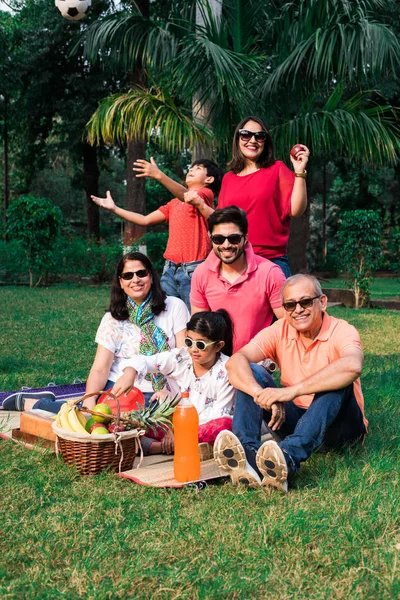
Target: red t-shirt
[188,239]
[265,196]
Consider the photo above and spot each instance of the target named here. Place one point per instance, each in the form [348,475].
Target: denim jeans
[176,279]
[333,419]
[283,263]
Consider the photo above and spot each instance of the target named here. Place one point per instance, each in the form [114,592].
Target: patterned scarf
[152,338]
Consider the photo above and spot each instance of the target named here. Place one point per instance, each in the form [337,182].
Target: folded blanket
[73,390]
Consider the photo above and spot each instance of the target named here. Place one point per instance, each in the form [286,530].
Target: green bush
[359,250]
[71,259]
[13,263]
[394,249]
[156,243]
[34,223]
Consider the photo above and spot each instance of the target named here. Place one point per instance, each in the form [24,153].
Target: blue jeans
[333,419]
[176,279]
[283,263]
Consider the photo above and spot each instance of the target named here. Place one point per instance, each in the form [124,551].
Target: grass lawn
[382,288]
[336,535]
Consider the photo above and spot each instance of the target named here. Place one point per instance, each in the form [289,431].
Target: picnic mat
[161,474]
[61,392]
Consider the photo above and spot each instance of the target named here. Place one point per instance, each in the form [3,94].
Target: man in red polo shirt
[233,277]
[320,403]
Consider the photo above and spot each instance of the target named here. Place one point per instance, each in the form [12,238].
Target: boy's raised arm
[150,169]
[144,220]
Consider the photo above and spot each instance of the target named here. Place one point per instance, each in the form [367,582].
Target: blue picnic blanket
[73,390]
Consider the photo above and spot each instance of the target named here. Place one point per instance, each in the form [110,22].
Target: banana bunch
[71,418]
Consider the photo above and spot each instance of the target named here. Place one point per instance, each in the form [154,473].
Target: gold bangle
[302,174]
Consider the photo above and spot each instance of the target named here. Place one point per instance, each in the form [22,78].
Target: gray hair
[295,278]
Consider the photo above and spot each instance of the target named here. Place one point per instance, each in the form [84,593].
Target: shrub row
[74,260]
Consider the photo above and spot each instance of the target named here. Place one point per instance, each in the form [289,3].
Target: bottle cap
[184,394]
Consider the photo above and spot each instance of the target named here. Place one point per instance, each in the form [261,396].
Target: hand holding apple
[299,156]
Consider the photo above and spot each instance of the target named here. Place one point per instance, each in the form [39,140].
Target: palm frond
[151,115]
[356,128]
[322,41]
[123,39]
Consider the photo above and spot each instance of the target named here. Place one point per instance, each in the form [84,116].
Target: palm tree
[309,68]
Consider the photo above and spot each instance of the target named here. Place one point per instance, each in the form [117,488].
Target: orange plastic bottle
[186,431]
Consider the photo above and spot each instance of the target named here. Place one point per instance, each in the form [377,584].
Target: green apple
[89,424]
[99,429]
[103,410]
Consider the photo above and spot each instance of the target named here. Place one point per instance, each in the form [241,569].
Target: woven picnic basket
[91,454]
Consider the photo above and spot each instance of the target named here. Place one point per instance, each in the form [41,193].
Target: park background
[171,79]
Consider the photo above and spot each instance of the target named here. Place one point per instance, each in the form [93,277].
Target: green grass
[382,288]
[335,536]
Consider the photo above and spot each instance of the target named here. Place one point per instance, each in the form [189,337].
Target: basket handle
[113,396]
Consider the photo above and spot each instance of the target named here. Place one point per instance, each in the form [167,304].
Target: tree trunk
[6,198]
[135,192]
[324,192]
[297,245]
[201,112]
[135,186]
[91,176]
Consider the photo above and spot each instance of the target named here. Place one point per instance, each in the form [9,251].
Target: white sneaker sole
[230,457]
[272,465]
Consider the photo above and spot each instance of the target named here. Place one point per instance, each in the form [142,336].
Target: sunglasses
[129,275]
[246,135]
[200,345]
[234,239]
[305,303]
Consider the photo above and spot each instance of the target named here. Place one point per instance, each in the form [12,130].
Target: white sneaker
[230,457]
[272,465]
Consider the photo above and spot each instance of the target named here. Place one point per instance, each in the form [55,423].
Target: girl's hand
[107,202]
[299,163]
[167,443]
[147,169]
[159,396]
[125,383]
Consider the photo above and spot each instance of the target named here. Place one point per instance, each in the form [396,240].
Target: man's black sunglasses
[246,135]
[304,303]
[234,239]
[129,274]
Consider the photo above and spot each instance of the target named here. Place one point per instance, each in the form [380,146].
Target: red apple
[297,148]
[113,428]
[98,428]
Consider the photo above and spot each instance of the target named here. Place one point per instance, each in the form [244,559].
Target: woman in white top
[198,369]
[141,319]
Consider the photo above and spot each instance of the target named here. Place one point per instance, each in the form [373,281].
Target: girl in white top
[199,369]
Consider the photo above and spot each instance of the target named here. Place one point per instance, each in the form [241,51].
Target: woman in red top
[265,188]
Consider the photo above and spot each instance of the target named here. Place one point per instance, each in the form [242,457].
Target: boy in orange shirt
[188,242]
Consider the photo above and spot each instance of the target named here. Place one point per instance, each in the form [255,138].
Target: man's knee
[262,376]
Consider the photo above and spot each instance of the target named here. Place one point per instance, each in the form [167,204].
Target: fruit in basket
[81,417]
[89,423]
[67,418]
[113,428]
[102,411]
[99,429]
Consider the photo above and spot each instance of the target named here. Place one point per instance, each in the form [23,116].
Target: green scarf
[152,339]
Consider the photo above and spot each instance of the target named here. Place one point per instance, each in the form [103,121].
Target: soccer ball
[73,10]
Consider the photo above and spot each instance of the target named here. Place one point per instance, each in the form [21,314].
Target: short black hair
[229,214]
[117,307]
[213,170]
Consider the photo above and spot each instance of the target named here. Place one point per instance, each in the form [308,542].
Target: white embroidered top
[212,394]
[122,338]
